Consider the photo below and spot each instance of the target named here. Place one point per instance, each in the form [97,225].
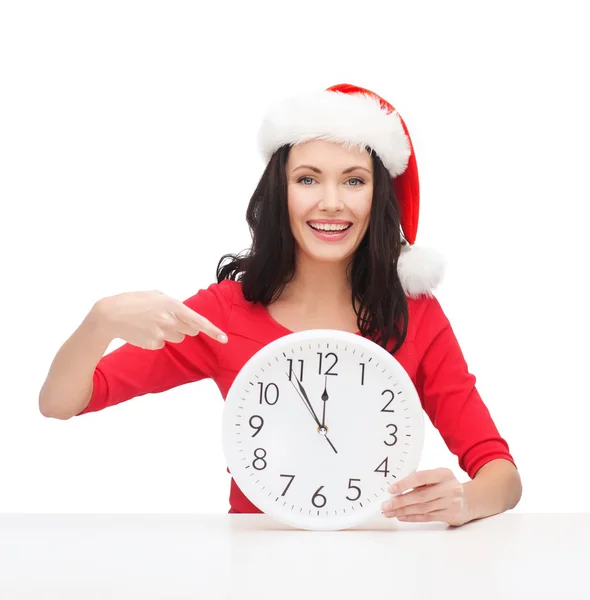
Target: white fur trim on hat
[420,270]
[352,119]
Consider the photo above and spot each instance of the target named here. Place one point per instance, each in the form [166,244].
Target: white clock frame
[296,442]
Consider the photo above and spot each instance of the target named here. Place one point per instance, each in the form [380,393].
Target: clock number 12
[328,372]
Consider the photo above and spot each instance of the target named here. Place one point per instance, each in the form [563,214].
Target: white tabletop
[212,557]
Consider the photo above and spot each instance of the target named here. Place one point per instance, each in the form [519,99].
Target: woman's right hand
[149,319]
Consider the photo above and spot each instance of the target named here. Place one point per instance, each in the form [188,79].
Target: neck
[318,284]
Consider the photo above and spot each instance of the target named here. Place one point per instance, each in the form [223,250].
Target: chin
[330,255]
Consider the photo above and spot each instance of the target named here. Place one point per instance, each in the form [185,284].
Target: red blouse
[430,354]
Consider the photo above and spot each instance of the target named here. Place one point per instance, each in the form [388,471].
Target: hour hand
[325,399]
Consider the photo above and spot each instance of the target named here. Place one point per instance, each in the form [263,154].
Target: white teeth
[325,227]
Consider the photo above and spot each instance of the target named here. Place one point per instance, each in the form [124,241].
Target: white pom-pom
[420,270]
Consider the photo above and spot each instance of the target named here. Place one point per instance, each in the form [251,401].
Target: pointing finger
[195,320]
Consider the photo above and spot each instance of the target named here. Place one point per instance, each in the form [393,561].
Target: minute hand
[310,407]
[306,401]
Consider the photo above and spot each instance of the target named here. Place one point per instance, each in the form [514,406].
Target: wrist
[98,323]
[495,489]
[470,497]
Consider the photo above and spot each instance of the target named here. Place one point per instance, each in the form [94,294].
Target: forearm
[495,488]
[68,386]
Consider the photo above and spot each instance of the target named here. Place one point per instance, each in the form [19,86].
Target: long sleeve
[449,396]
[130,371]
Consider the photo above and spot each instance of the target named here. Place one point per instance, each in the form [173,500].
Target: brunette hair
[269,263]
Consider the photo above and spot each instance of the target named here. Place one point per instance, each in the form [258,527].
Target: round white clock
[317,425]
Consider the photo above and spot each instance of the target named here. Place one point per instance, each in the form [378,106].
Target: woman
[332,221]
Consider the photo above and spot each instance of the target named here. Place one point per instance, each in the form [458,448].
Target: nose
[330,200]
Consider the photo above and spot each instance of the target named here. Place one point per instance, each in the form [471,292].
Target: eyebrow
[316,170]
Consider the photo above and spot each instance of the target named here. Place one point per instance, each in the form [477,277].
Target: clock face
[318,424]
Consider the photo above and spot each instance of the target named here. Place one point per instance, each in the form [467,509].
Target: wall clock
[317,425]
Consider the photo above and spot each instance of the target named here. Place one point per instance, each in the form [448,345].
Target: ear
[420,270]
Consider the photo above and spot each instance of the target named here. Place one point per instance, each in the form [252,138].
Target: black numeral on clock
[385,470]
[259,460]
[289,484]
[257,427]
[393,435]
[354,487]
[328,372]
[300,361]
[385,409]
[318,496]
[362,373]
[269,397]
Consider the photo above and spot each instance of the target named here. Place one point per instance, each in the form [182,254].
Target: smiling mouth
[330,228]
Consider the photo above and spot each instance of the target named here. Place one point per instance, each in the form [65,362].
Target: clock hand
[302,390]
[325,398]
[329,442]
[308,406]
[305,399]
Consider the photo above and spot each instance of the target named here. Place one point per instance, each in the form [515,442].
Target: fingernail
[222,338]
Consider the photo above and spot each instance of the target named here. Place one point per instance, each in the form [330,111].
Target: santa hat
[357,117]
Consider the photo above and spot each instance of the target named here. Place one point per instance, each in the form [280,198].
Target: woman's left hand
[436,495]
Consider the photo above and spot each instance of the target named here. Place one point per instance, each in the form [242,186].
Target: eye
[305,179]
[358,180]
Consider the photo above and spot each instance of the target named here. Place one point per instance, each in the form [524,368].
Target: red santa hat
[357,117]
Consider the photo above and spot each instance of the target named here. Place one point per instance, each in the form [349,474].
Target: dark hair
[269,263]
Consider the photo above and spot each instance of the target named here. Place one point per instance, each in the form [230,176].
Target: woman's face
[328,184]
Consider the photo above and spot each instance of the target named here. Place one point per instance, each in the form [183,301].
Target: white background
[127,159]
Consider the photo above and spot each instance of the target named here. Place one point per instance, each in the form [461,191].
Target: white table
[210,557]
